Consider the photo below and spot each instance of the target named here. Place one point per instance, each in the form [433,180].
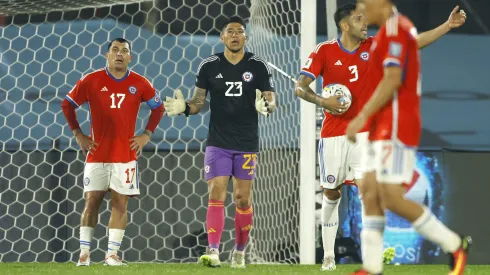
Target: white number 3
[353,70]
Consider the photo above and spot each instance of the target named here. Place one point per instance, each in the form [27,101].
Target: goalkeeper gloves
[261,104]
[175,106]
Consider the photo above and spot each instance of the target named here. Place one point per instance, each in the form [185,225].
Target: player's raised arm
[456,19]
[76,97]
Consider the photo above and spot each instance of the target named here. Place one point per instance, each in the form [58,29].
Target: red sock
[215,221]
[243,225]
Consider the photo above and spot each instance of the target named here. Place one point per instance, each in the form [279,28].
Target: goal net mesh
[41,169]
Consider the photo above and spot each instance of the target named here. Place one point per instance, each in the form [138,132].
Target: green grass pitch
[150,268]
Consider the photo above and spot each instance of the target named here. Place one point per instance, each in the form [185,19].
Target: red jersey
[114,105]
[337,65]
[396,45]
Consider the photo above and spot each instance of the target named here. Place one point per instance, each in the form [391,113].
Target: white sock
[372,243]
[86,234]
[115,239]
[434,230]
[330,224]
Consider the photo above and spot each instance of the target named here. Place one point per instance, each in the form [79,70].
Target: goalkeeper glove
[261,104]
[175,106]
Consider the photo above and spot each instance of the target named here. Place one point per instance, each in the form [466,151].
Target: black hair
[343,12]
[120,40]
[233,19]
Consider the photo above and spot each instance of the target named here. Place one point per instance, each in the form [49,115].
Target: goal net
[41,182]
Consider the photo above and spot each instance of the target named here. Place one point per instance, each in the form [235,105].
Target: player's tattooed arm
[271,100]
[302,89]
[197,101]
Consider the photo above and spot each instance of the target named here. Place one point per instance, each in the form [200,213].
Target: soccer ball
[338,90]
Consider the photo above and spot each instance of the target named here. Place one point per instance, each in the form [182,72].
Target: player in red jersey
[346,61]
[394,133]
[114,95]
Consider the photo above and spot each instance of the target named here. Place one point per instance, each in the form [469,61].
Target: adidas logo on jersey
[219,76]
[104,89]
[338,63]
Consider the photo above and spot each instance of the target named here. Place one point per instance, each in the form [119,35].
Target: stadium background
[43,55]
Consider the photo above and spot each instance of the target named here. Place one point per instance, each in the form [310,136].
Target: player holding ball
[346,61]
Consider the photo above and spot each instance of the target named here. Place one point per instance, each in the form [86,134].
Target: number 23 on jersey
[234,88]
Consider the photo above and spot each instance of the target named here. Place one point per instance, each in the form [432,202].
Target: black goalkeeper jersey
[234,120]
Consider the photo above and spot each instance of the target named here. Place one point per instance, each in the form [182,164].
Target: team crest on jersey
[132,90]
[365,56]
[247,76]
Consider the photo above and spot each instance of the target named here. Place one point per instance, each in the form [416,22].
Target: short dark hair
[343,12]
[233,19]
[120,40]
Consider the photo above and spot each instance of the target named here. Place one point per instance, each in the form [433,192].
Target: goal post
[307,142]
[42,55]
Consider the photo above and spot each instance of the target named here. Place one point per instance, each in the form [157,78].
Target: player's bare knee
[332,194]
[390,196]
[242,192]
[369,188]
[119,202]
[242,198]
[92,202]
[217,188]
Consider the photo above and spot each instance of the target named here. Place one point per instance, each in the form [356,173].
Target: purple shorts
[223,162]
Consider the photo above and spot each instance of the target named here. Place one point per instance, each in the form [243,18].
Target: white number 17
[353,70]
[119,102]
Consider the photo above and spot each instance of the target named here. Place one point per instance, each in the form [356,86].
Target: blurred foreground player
[114,95]
[394,133]
[240,87]
[346,60]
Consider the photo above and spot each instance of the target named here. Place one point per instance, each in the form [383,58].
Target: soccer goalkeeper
[240,87]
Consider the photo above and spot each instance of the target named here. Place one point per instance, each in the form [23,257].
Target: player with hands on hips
[240,87]
[114,95]
[86,143]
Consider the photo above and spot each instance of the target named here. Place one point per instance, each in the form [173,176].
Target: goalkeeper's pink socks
[243,225]
[215,221]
